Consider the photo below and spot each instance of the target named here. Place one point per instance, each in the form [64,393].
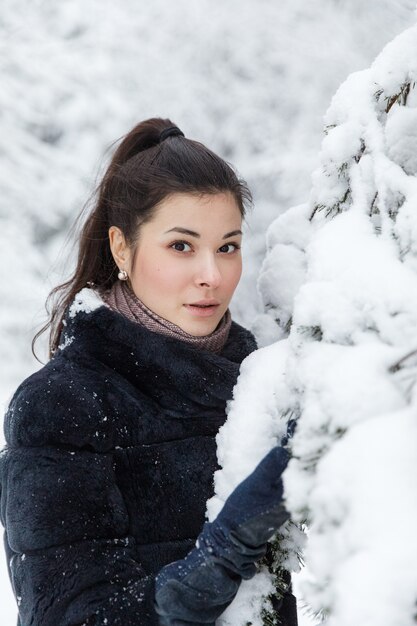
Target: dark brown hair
[142,173]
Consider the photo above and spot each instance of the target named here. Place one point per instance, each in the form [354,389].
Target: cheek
[173,276]
[154,273]
[232,276]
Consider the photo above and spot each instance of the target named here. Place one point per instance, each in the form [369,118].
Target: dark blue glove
[198,588]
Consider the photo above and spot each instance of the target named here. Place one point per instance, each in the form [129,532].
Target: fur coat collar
[183,380]
[108,368]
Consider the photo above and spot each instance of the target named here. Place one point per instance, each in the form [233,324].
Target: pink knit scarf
[121,298]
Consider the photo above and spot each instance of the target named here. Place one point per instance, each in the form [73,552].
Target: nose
[207,272]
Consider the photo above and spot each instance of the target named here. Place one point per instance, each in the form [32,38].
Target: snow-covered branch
[339,286]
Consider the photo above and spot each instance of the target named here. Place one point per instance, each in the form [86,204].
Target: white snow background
[252,79]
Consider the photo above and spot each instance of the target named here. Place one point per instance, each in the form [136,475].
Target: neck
[122,299]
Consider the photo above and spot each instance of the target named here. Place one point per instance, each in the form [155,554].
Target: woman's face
[188,260]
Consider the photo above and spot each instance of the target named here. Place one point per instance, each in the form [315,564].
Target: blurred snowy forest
[250,78]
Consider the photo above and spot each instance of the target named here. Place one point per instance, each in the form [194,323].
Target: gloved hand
[198,588]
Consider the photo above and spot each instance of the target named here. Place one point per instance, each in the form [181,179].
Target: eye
[226,248]
[180,246]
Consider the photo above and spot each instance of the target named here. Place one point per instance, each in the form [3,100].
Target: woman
[111,445]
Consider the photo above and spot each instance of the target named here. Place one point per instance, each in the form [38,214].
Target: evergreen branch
[318,207]
[329,128]
[378,94]
[335,208]
[288,326]
[342,169]
[401,97]
[313,332]
[371,210]
[358,156]
[397,365]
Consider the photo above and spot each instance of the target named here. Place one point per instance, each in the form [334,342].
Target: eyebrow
[192,233]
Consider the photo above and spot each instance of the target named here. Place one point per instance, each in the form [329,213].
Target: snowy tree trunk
[339,286]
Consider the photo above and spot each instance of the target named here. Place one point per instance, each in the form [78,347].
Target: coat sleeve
[71,560]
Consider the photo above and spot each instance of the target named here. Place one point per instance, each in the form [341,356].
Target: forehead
[198,212]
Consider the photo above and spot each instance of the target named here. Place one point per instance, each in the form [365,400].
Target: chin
[199,330]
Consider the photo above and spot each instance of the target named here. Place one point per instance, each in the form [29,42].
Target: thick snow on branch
[339,286]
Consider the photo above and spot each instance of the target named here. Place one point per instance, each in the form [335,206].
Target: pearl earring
[122,275]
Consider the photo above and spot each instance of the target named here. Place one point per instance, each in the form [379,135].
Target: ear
[119,248]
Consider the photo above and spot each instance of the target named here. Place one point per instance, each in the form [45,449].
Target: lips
[204,308]
[206,302]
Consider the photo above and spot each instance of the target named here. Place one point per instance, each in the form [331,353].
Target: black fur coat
[108,465]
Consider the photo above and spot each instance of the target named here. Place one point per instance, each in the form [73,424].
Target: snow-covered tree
[339,285]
